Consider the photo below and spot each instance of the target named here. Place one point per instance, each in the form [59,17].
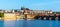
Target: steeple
[22,8]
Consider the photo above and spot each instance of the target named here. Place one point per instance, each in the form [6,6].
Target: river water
[29,23]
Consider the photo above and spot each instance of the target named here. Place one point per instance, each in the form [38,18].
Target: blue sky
[53,5]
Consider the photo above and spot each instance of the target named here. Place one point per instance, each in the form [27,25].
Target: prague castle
[25,13]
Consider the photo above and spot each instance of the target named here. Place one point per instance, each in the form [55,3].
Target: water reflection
[31,23]
[9,23]
[42,23]
[19,23]
[1,23]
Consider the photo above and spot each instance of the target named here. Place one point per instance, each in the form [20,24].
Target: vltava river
[29,23]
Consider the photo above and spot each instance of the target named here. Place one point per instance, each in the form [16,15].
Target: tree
[1,14]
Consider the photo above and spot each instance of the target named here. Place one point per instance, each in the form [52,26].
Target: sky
[53,5]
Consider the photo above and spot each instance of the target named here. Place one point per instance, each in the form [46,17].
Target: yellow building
[9,16]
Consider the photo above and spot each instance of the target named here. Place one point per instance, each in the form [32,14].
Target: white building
[42,11]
